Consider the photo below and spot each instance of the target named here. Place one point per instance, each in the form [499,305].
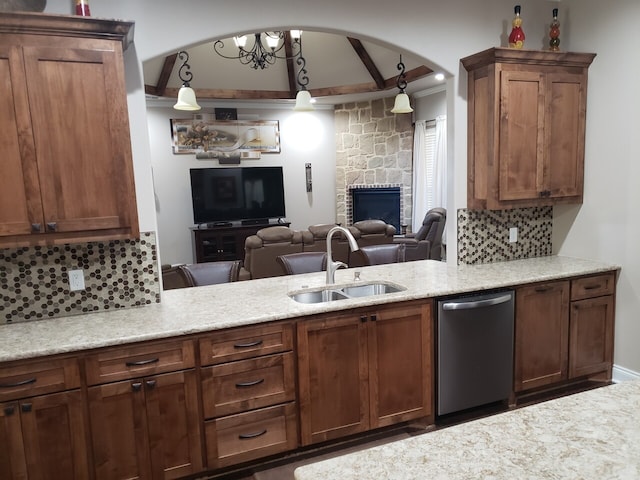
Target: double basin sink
[332,292]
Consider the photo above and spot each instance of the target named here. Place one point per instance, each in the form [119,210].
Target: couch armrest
[414,249]
[244,274]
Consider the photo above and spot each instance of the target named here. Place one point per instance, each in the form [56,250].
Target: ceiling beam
[165,73]
[367,61]
[291,70]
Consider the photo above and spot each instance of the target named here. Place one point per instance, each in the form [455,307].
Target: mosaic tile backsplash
[483,235]
[117,274]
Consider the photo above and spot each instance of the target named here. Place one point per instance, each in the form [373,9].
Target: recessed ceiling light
[439,77]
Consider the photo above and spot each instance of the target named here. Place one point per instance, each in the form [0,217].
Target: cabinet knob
[52,226]
[151,384]
[26,407]
[374,318]
[36,227]
[10,410]
[136,386]
[363,318]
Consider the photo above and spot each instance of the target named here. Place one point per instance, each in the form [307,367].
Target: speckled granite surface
[591,435]
[201,309]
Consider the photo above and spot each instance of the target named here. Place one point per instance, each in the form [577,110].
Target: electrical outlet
[76,280]
[513,234]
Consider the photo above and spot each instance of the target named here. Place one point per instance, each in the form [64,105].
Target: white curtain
[429,168]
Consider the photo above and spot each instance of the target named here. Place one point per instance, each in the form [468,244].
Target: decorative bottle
[554,32]
[516,39]
[82,8]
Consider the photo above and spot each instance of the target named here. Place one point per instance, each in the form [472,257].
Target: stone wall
[373,147]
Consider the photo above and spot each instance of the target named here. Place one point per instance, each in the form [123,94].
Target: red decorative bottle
[82,8]
[516,39]
[554,32]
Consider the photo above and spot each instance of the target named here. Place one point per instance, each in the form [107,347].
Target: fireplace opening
[381,203]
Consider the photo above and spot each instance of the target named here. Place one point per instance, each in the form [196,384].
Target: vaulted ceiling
[340,69]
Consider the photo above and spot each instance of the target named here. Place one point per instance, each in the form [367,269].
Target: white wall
[304,138]
[603,228]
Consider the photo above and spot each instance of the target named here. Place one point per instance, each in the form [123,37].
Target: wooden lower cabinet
[364,369]
[147,427]
[541,335]
[564,331]
[43,437]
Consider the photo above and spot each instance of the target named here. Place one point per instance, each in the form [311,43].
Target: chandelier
[265,48]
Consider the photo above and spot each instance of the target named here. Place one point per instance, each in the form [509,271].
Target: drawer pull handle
[26,407]
[247,436]
[248,345]
[151,384]
[10,410]
[136,386]
[18,384]
[142,362]
[249,384]
[542,289]
[592,287]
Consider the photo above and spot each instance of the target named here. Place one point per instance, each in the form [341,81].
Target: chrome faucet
[331,265]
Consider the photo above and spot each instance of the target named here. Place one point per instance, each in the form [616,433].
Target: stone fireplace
[374,149]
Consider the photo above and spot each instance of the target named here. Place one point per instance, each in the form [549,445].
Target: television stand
[213,243]
[255,221]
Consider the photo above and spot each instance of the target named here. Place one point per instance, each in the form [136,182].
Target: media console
[213,243]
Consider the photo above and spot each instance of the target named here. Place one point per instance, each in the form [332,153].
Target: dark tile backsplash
[117,274]
[483,235]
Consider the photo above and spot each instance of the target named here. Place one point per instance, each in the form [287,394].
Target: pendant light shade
[303,102]
[187,99]
[186,95]
[402,104]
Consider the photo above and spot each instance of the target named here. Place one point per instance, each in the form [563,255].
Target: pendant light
[186,96]
[303,97]
[401,104]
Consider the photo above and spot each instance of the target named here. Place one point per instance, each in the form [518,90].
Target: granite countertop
[589,435]
[201,309]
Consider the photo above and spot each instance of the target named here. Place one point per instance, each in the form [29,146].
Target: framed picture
[208,135]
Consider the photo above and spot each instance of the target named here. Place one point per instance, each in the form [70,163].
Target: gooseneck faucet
[331,265]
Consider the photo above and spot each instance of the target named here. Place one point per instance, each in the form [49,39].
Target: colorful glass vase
[554,32]
[82,8]
[516,38]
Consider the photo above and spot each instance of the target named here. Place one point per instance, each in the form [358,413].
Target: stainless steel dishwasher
[474,350]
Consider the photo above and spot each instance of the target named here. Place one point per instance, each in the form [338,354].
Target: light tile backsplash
[117,274]
[483,235]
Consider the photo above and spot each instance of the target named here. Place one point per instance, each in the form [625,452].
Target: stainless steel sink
[332,293]
[368,289]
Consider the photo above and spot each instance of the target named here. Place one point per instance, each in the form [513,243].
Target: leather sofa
[315,240]
[374,232]
[262,249]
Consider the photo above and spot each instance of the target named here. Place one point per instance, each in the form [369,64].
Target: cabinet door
[80,126]
[20,205]
[13,463]
[565,118]
[119,431]
[541,336]
[174,424]
[521,135]
[54,436]
[400,364]
[333,371]
[591,336]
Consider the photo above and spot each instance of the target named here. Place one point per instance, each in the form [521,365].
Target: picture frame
[208,135]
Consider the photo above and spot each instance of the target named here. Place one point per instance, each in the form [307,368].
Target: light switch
[76,280]
[513,234]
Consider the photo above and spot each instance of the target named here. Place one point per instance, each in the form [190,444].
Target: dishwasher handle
[489,302]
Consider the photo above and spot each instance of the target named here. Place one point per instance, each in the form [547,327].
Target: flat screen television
[249,194]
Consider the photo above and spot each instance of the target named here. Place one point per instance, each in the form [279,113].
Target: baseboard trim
[621,374]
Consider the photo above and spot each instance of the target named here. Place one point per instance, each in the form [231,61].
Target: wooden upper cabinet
[526,127]
[67,171]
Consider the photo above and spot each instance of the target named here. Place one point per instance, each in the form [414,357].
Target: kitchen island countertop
[593,435]
[201,309]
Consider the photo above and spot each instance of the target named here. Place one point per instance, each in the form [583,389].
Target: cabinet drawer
[37,378]
[247,384]
[247,436]
[594,286]
[227,346]
[128,362]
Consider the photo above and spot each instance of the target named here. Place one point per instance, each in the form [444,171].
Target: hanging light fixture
[186,95]
[259,56]
[401,104]
[303,97]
